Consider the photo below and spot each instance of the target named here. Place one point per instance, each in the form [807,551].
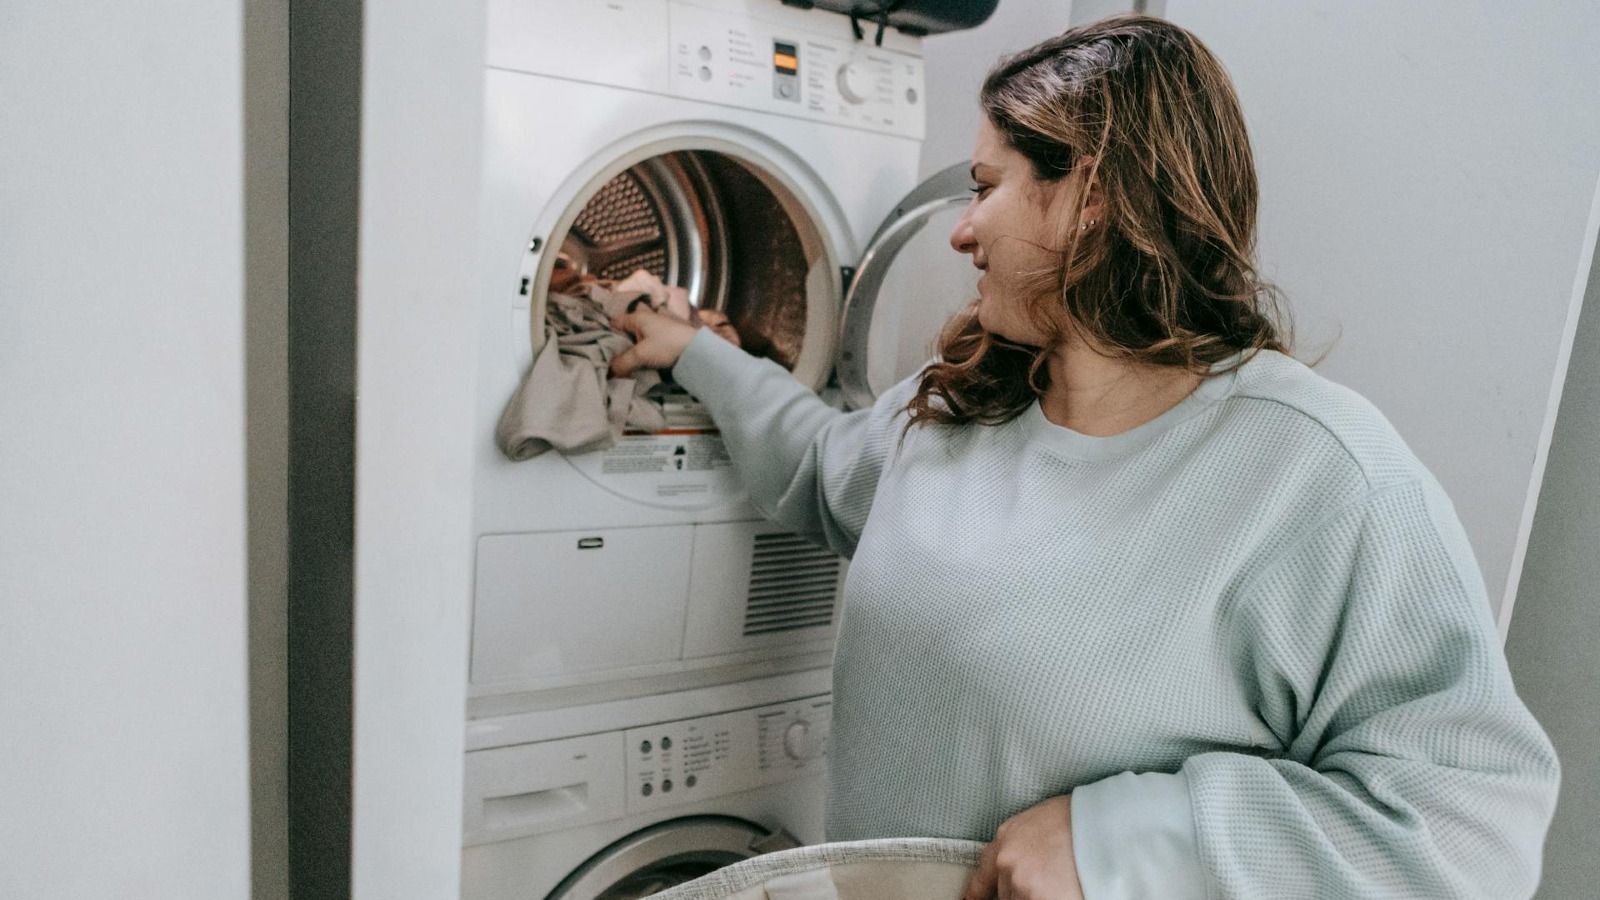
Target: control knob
[799,742]
[852,83]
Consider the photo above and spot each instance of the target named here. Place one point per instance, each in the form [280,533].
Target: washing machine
[624,799]
[764,156]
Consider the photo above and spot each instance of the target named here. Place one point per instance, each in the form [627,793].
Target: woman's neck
[1099,396]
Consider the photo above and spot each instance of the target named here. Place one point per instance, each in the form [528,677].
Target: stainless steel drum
[714,225]
[663,216]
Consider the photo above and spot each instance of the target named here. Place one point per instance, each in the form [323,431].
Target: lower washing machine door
[666,854]
[887,869]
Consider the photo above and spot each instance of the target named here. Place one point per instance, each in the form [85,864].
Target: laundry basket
[889,869]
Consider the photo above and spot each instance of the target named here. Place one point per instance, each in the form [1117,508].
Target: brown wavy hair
[1139,107]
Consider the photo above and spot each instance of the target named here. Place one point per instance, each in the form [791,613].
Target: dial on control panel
[800,742]
[852,83]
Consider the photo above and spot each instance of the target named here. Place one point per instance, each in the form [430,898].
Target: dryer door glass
[908,283]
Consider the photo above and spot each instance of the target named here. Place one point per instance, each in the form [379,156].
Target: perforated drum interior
[728,232]
[661,216]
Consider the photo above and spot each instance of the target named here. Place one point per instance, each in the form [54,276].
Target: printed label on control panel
[697,759]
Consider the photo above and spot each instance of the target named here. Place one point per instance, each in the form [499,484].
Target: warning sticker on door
[683,467]
[665,453]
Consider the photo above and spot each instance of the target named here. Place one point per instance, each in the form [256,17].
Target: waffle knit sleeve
[1407,767]
[805,464]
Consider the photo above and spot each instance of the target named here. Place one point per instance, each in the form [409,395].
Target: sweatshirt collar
[1065,441]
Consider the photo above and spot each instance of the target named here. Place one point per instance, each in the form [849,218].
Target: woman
[1136,596]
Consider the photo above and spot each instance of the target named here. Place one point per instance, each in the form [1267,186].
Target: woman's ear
[1094,203]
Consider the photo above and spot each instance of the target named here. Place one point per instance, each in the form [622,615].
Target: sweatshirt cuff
[1133,837]
[708,367]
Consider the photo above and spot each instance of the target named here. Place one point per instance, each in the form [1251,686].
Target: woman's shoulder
[1298,410]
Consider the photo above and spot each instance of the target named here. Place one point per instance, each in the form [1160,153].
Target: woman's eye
[978,189]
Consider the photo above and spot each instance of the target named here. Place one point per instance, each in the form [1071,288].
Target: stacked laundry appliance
[649,685]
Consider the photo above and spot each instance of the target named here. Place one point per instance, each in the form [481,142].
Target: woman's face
[1010,229]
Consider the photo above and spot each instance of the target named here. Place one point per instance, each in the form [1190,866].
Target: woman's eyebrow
[976,166]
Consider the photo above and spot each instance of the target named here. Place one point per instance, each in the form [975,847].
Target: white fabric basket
[888,869]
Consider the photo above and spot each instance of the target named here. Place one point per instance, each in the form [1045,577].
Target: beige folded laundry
[559,405]
[567,402]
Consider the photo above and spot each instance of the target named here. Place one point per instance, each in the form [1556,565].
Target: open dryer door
[908,283]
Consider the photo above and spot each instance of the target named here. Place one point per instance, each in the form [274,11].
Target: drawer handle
[536,806]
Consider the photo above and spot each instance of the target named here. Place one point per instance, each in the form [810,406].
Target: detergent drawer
[566,602]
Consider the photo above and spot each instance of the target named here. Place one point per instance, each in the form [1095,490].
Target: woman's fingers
[718,322]
[983,882]
[627,322]
[678,303]
[659,340]
[624,363]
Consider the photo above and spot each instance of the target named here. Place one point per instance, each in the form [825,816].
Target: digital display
[784,58]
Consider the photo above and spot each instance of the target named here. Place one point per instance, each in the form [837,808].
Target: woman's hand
[660,339]
[1030,857]
[720,325]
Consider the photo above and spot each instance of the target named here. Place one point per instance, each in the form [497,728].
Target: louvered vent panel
[794,584]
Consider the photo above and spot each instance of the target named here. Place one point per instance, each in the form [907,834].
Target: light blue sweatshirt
[1249,638]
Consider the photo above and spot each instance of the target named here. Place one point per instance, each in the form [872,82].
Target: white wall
[1425,172]
[421,108]
[1554,641]
[123,744]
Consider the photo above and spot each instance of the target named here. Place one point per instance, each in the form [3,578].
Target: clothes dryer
[764,158]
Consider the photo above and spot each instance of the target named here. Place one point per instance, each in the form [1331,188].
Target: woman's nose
[962,237]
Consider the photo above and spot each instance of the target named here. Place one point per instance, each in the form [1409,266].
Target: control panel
[545,786]
[694,759]
[783,69]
